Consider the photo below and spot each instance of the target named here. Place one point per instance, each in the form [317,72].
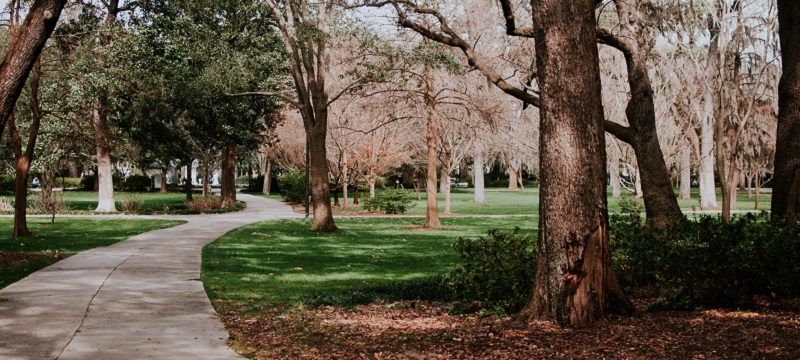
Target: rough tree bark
[661,205]
[574,282]
[786,181]
[228,190]
[477,173]
[23,51]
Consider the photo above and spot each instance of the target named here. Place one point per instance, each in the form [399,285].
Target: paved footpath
[137,299]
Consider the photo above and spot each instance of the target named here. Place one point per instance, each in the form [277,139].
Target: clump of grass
[203,204]
[132,202]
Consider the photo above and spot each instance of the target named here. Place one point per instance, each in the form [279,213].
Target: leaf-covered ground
[416,330]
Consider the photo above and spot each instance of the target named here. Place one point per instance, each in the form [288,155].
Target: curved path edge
[137,299]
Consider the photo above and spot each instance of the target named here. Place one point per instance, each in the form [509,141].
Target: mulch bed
[420,330]
[11,259]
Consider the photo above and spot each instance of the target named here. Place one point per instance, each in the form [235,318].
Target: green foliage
[498,270]
[705,262]
[87,182]
[7,184]
[390,201]
[293,186]
[256,184]
[136,183]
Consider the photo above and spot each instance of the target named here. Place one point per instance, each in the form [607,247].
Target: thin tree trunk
[444,180]
[661,205]
[228,191]
[188,181]
[345,182]
[164,171]
[513,183]
[432,210]
[371,182]
[786,180]
[574,282]
[105,175]
[638,185]
[616,186]
[686,173]
[336,196]
[355,195]
[447,194]
[206,175]
[267,178]
[758,188]
[477,173]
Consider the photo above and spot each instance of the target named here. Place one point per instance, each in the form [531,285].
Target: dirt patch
[11,259]
[417,330]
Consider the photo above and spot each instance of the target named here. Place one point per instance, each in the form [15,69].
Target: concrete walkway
[137,299]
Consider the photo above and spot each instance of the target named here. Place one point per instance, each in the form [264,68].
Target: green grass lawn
[279,261]
[68,237]
[526,202]
[84,202]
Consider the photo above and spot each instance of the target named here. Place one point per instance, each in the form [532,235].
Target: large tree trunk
[661,205]
[574,282]
[23,51]
[686,173]
[477,173]
[105,177]
[228,191]
[320,187]
[432,211]
[786,180]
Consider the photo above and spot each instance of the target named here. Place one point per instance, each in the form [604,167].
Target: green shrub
[256,184]
[389,201]
[136,183]
[87,182]
[705,262]
[7,184]
[293,186]
[498,270]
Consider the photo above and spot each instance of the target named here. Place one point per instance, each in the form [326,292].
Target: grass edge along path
[21,257]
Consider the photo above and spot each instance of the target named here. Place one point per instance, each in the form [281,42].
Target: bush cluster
[136,183]
[131,202]
[390,201]
[7,184]
[498,269]
[204,204]
[293,186]
[705,262]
